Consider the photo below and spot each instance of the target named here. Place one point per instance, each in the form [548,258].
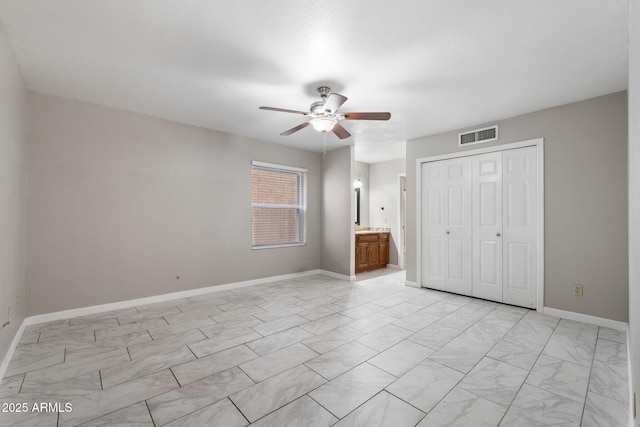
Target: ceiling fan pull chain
[324,145]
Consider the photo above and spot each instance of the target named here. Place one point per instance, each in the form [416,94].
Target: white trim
[629,381]
[540,202]
[12,349]
[393,266]
[586,318]
[283,245]
[277,167]
[401,243]
[492,149]
[537,142]
[66,314]
[418,222]
[412,284]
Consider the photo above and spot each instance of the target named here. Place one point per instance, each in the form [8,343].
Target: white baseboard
[393,266]
[412,284]
[12,349]
[586,318]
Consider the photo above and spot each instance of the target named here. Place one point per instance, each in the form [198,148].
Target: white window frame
[301,206]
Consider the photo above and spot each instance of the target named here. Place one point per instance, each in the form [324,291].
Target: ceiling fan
[325,116]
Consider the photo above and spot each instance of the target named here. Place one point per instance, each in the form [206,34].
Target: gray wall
[585,232]
[362,172]
[121,204]
[13,192]
[385,192]
[634,196]
[338,198]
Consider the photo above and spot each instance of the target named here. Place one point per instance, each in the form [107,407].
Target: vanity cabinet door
[362,254]
[383,247]
[374,255]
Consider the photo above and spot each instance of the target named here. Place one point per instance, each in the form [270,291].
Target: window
[278,205]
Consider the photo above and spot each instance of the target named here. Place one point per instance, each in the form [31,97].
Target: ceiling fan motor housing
[317,108]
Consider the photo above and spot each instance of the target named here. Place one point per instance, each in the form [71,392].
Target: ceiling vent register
[478,136]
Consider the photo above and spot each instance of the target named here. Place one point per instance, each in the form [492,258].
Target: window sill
[286,245]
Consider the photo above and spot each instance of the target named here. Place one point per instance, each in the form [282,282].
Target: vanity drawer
[367,237]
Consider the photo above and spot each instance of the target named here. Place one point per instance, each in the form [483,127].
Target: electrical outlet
[577,290]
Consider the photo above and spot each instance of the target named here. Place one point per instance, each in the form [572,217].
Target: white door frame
[539,144]
[401,260]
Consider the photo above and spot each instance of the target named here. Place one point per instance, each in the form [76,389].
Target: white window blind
[278,204]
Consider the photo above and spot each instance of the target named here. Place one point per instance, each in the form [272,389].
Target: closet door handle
[448,232]
[498,234]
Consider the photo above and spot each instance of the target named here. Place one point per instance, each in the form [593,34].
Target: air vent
[479,135]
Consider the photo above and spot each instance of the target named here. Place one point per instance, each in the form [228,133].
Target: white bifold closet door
[446,207]
[480,226]
[520,226]
[487,226]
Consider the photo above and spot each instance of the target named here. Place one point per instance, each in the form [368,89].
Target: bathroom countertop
[373,230]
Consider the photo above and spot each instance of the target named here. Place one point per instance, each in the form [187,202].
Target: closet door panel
[455,253]
[435,250]
[433,222]
[459,226]
[520,229]
[517,210]
[489,273]
[488,202]
[456,206]
[518,266]
[487,226]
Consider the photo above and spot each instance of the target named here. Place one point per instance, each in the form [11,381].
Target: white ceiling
[435,65]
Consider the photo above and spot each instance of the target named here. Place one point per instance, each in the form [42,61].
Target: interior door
[487,226]
[433,239]
[446,225]
[520,226]
[458,226]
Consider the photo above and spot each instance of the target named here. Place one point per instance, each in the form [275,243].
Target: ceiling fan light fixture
[325,116]
[323,124]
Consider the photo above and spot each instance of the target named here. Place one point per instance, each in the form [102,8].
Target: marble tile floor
[365,275]
[318,351]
